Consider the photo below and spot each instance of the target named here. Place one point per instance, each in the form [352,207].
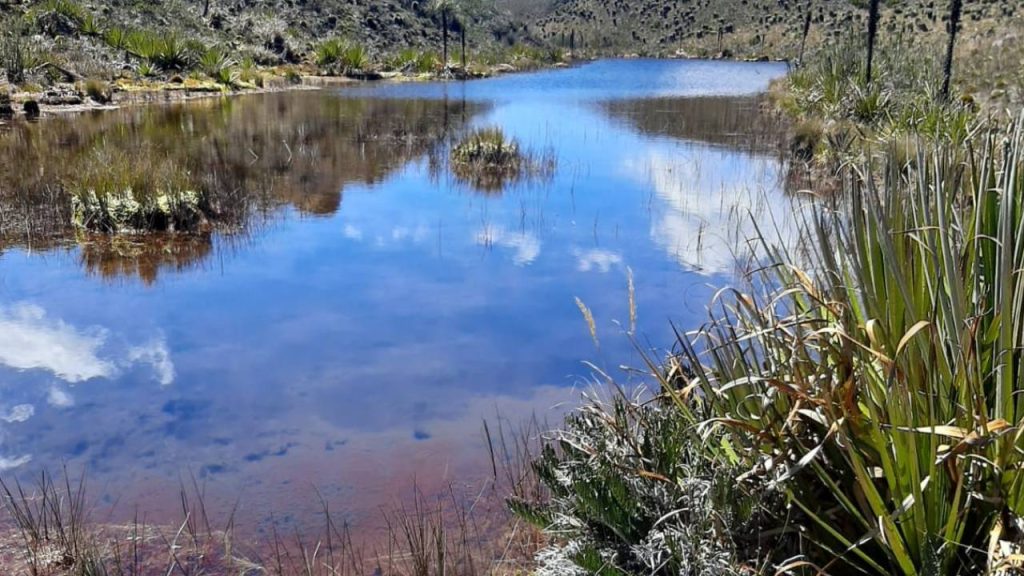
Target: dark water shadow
[739,123]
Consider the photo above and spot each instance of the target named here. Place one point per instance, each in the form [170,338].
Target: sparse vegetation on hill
[55,52]
[743,28]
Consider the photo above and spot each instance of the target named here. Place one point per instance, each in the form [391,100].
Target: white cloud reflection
[29,340]
[597,260]
[12,463]
[32,340]
[158,356]
[710,200]
[19,413]
[525,246]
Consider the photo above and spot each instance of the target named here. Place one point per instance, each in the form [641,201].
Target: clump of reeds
[488,147]
[490,161]
[58,536]
[131,192]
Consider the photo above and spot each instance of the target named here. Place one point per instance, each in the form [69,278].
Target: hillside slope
[269,32]
[769,28]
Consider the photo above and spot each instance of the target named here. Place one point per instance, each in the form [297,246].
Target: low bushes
[631,490]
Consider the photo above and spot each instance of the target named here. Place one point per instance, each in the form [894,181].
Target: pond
[366,310]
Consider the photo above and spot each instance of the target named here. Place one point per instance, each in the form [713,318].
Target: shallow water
[375,309]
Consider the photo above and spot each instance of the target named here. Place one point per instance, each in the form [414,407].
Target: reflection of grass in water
[205,166]
[142,256]
[490,161]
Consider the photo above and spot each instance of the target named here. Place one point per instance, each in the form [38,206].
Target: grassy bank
[853,405]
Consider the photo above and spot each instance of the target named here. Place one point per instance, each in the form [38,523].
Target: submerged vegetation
[53,520]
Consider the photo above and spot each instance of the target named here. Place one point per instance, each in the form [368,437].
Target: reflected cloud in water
[31,340]
[525,246]
[59,398]
[19,413]
[597,260]
[710,202]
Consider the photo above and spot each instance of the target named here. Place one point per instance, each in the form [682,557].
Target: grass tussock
[132,191]
[489,160]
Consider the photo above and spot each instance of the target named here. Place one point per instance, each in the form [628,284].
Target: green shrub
[173,54]
[166,52]
[89,26]
[16,53]
[62,17]
[342,57]
[248,72]
[116,38]
[219,65]
[67,8]
[329,52]
[354,58]
[402,60]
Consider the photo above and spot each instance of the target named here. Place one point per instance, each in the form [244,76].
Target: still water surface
[360,330]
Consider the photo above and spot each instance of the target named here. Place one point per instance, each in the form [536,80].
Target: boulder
[31,108]
[6,110]
[61,98]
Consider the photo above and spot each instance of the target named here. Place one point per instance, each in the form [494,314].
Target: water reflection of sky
[354,350]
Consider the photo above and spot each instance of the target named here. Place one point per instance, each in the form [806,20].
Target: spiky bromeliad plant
[879,382]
